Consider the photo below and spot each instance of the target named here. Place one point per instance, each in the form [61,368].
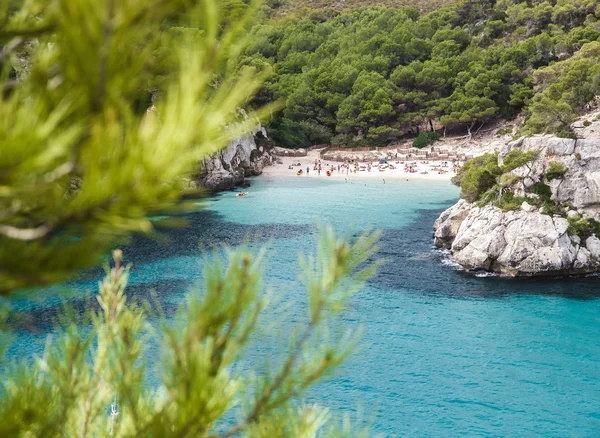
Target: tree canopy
[380,72]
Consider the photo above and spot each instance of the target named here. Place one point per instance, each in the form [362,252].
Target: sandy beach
[399,173]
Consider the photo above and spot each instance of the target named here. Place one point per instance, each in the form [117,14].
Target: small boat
[299,172]
[239,195]
[328,173]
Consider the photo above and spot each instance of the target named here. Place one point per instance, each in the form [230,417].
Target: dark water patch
[414,264]
[204,229]
[155,297]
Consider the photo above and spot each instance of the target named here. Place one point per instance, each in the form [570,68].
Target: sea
[442,352]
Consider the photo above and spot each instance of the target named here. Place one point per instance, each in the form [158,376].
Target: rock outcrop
[527,242]
[228,168]
[284,152]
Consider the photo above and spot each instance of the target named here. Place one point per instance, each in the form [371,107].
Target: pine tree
[82,163]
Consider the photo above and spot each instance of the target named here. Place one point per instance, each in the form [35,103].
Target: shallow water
[443,353]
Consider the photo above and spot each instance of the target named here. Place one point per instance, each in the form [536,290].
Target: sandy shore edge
[283,170]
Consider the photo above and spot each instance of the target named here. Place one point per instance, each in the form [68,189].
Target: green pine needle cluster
[106,109]
[67,391]
[89,146]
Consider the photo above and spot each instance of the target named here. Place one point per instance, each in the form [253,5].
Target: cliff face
[527,242]
[228,168]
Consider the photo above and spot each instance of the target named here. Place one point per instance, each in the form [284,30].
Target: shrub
[517,158]
[509,201]
[551,208]
[477,176]
[542,190]
[556,170]
[426,139]
[578,156]
[584,228]
[587,123]
[507,179]
[364,142]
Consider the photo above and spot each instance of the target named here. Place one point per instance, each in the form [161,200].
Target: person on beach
[307,170]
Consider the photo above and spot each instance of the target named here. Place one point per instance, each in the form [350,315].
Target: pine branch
[104,54]
[254,415]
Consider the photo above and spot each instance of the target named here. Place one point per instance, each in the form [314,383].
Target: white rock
[283,152]
[227,168]
[592,244]
[527,207]
[527,242]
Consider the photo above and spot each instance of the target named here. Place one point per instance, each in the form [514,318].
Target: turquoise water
[443,353]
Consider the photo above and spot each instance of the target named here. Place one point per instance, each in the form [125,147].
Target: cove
[443,353]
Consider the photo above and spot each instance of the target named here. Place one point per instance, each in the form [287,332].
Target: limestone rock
[517,243]
[447,225]
[592,243]
[283,152]
[228,168]
[527,242]
[527,207]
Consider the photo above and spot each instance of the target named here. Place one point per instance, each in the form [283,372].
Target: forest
[376,74]
[108,106]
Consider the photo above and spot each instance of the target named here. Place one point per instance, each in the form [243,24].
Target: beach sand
[390,174]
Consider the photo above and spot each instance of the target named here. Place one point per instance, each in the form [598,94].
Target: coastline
[283,170]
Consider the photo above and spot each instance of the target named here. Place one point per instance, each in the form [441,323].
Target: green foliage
[507,179]
[380,73]
[82,162]
[477,176]
[287,7]
[542,190]
[552,208]
[517,158]
[68,390]
[483,181]
[556,170]
[563,89]
[584,228]
[509,201]
[426,139]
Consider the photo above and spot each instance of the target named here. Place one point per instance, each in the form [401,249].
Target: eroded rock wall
[228,168]
[527,242]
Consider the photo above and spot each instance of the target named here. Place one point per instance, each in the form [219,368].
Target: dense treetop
[377,73]
[282,7]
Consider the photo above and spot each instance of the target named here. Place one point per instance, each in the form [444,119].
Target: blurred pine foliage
[82,159]
[85,157]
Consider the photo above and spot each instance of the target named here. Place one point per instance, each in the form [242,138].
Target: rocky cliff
[228,168]
[533,239]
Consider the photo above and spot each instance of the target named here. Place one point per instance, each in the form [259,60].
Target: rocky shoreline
[529,241]
[229,167]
